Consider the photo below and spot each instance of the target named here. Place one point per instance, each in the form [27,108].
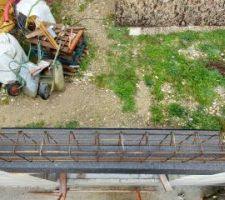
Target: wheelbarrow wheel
[13,89]
[44,91]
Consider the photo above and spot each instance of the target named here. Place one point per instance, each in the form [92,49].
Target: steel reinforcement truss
[112,150]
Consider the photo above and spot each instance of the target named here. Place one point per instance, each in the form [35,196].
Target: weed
[122,78]
[211,50]
[84,5]
[68,20]
[101,80]
[71,124]
[176,110]
[56,9]
[90,55]
[157,114]
[39,124]
[200,119]
[223,111]
[148,81]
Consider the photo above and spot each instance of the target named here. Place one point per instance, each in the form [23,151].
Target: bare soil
[218,65]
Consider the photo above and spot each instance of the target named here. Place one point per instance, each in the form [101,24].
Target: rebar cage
[96,146]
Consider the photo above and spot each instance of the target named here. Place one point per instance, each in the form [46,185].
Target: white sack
[41,10]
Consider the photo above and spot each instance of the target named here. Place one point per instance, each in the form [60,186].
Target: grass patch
[200,119]
[70,125]
[159,59]
[176,110]
[90,56]
[148,81]
[122,78]
[39,124]
[84,5]
[100,81]
[157,114]
[56,10]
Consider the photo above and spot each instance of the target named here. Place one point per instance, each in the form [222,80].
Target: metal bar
[17,144]
[118,146]
[121,167]
[97,143]
[69,150]
[42,145]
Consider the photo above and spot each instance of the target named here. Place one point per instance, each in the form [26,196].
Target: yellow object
[6,27]
[2,3]
[44,30]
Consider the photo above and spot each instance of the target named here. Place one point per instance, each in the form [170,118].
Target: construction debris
[71,40]
[38,8]
[17,73]
[7,22]
[58,49]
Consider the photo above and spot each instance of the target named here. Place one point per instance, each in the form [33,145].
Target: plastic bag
[59,82]
[14,65]
[37,8]
[31,87]
[11,55]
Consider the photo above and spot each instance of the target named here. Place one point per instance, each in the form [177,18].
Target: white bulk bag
[41,10]
[11,53]
[13,58]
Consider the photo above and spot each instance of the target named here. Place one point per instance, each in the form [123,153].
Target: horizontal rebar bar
[110,146]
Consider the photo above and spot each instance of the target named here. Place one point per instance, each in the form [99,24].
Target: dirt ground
[81,100]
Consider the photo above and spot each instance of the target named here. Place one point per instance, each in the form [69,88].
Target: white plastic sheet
[11,54]
[12,57]
[41,10]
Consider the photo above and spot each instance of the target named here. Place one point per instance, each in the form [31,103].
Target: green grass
[38,124]
[56,10]
[176,110]
[148,81]
[157,114]
[92,48]
[71,124]
[122,78]
[41,124]
[84,5]
[159,59]
[100,81]
[200,119]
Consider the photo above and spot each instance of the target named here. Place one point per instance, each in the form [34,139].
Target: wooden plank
[138,195]
[60,26]
[68,73]
[48,35]
[200,180]
[63,186]
[19,180]
[75,42]
[69,69]
[46,44]
[34,34]
[165,183]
